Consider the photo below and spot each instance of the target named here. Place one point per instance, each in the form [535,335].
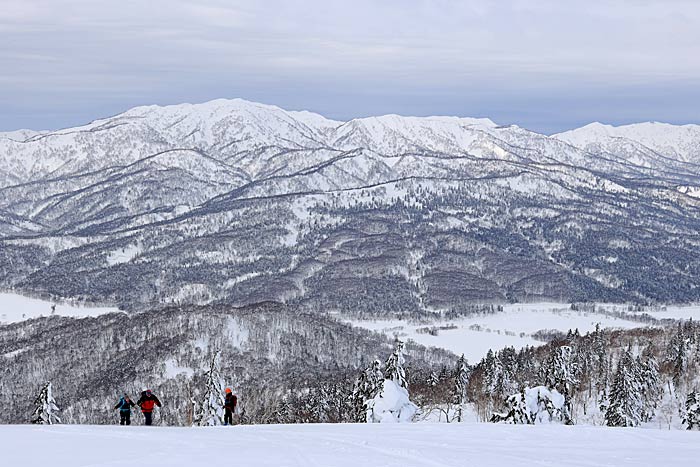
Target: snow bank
[346,445]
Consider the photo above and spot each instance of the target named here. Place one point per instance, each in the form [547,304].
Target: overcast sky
[546,65]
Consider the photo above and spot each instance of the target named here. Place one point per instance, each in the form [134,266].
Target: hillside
[237,202]
[347,445]
[268,352]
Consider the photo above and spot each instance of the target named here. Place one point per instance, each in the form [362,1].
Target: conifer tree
[46,408]
[600,359]
[692,411]
[650,382]
[393,388]
[561,370]
[677,354]
[626,403]
[497,380]
[394,365]
[284,411]
[461,382]
[433,379]
[211,410]
[321,402]
[517,411]
[506,381]
[366,387]
[561,373]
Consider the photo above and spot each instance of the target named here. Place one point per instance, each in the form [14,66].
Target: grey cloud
[346,58]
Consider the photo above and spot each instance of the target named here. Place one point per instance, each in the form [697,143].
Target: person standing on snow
[124,405]
[147,401]
[229,407]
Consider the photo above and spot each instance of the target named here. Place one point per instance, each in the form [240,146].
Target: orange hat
[228,390]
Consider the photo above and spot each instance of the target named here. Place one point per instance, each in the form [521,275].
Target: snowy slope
[680,142]
[15,307]
[349,445]
[261,203]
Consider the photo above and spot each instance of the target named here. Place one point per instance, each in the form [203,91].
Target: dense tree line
[618,378]
[288,366]
[268,354]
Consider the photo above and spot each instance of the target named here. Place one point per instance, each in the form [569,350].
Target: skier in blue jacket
[124,405]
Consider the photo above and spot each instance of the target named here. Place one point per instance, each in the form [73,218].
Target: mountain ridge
[240,202]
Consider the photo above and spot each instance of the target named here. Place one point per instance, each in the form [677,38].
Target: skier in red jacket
[229,407]
[147,401]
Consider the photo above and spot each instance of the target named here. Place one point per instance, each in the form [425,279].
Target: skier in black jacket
[229,407]
[147,401]
[124,405]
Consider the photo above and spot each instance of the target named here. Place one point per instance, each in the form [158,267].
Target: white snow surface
[683,312]
[678,141]
[473,336]
[15,308]
[346,445]
[123,255]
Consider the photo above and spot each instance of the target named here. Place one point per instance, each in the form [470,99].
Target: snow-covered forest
[289,366]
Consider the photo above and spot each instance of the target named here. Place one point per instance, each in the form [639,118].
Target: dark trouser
[149,420]
[228,417]
[124,417]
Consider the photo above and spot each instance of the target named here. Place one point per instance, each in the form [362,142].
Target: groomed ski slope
[438,445]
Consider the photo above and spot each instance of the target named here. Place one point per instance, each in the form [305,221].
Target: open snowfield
[677,312]
[473,336]
[346,445]
[15,307]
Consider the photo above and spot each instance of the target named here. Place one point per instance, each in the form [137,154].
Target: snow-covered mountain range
[238,202]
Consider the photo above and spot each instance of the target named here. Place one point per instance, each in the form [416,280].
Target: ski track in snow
[346,445]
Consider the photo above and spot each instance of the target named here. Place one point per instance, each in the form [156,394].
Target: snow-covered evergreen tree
[320,399]
[211,410]
[677,354]
[692,411]
[626,403]
[516,411]
[533,406]
[394,365]
[561,373]
[366,387]
[45,407]
[284,411]
[461,383]
[391,404]
[650,382]
[433,379]
[561,370]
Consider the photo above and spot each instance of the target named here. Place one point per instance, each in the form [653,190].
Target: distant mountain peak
[235,201]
